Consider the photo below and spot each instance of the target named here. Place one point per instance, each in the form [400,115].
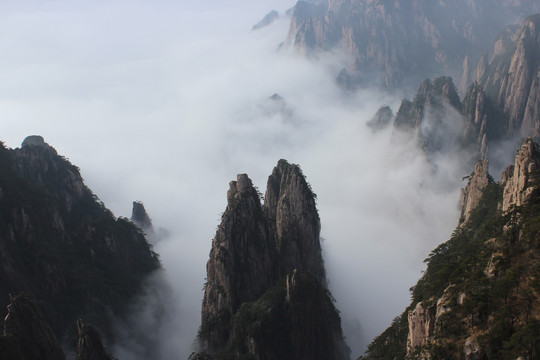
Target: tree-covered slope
[479,297]
[61,244]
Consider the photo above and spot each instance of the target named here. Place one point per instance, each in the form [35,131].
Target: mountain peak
[34,140]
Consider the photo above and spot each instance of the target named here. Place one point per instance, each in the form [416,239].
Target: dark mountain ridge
[61,244]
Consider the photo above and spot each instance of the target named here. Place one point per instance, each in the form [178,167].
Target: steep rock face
[241,264]
[266,295]
[484,122]
[29,332]
[294,222]
[471,195]
[397,38]
[89,345]
[60,243]
[518,179]
[512,78]
[421,327]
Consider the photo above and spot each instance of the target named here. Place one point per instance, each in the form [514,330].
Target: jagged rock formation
[241,265]
[60,243]
[512,81]
[430,100]
[518,179]
[471,195]
[483,120]
[382,118]
[140,217]
[90,346]
[491,309]
[434,116]
[504,100]
[294,225]
[502,104]
[400,38]
[266,295]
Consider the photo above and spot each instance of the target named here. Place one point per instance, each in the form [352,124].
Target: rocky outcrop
[140,217]
[294,224]
[396,39]
[382,118]
[433,115]
[60,243]
[472,193]
[266,295]
[89,345]
[30,334]
[241,264]
[519,180]
[421,327]
[472,350]
[429,100]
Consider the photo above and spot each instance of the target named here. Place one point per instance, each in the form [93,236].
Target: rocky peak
[35,140]
[430,99]
[31,334]
[519,180]
[294,221]
[471,195]
[241,264]
[62,245]
[90,346]
[256,251]
[433,115]
[382,118]
[39,162]
[140,217]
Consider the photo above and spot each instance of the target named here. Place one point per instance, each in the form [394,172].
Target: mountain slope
[479,297]
[60,243]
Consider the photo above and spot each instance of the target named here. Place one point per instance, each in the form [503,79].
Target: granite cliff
[266,295]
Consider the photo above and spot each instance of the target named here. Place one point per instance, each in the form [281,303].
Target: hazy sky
[166,101]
